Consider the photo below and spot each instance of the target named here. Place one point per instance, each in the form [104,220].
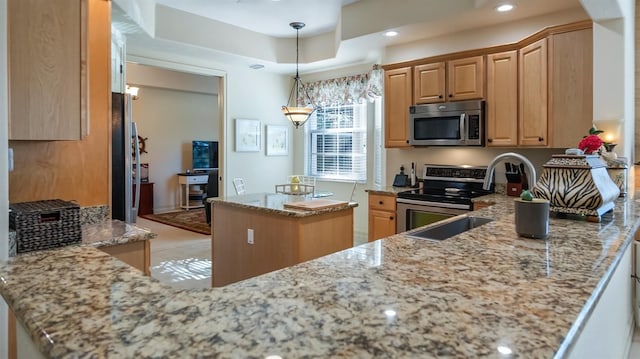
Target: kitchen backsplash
[461,156]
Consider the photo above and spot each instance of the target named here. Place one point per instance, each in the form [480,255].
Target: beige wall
[171,119]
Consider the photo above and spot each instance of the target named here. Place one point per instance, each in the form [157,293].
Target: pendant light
[298,114]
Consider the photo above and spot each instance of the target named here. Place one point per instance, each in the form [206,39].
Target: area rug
[192,220]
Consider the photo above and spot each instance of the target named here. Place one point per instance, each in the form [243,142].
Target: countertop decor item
[577,184]
[532,216]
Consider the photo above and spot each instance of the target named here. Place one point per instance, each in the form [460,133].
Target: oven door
[415,213]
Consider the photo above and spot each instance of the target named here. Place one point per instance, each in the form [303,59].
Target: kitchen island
[483,293]
[258,233]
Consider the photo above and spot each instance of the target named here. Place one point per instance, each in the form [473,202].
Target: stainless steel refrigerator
[124,151]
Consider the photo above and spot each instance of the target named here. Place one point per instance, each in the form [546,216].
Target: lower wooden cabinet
[382,216]
[481,205]
[136,254]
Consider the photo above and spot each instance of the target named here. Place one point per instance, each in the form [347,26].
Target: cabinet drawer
[197,179]
[382,202]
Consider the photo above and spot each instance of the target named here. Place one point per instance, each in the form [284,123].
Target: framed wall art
[248,135]
[277,140]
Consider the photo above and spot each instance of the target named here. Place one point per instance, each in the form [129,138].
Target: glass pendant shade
[293,111]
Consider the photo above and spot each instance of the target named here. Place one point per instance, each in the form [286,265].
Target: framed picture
[247,135]
[277,140]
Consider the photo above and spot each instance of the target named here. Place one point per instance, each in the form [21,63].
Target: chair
[210,191]
[238,184]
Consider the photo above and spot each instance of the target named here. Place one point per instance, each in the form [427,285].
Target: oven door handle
[432,204]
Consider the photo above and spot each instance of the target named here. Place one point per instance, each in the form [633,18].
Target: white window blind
[336,140]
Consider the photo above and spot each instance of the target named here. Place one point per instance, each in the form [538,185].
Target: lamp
[133,91]
[298,115]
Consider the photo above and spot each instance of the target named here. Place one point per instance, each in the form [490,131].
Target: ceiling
[338,33]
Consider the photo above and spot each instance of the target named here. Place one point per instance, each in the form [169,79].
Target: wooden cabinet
[481,205]
[453,80]
[465,78]
[570,87]
[382,216]
[276,241]
[48,69]
[532,85]
[429,86]
[136,254]
[397,99]
[146,198]
[502,99]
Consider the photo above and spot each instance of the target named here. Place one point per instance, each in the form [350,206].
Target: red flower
[590,144]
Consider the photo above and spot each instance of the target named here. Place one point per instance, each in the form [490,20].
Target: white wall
[480,38]
[170,120]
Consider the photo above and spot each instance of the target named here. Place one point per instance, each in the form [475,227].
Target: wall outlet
[10,159]
[250,236]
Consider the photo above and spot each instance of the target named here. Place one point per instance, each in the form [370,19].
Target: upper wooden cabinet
[47,69]
[454,80]
[397,99]
[429,86]
[465,78]
[570,86]
[538,90]
[532,85]
[502,99]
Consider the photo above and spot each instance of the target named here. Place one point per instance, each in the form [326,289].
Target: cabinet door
[429,84]
[381,224]
[397,99]
[465,78]
[502,99]
[532,73]
[571,87]
[47,69]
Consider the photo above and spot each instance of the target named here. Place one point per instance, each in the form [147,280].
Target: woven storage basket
[45,224]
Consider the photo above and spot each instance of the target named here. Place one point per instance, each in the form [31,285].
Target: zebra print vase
[577,184]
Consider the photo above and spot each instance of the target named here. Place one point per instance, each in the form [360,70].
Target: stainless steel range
[446,192]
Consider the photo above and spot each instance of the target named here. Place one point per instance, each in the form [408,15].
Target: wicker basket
[45,224]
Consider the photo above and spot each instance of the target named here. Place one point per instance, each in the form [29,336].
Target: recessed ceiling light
[256,66]
[391,33]
[504,8]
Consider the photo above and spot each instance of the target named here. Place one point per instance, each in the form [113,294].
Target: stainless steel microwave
[447,124]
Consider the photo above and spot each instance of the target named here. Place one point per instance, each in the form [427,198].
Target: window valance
[346,90]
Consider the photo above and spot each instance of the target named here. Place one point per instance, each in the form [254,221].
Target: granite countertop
[105,233]
[274,203]
[386,190]
[113,232]
[395,297]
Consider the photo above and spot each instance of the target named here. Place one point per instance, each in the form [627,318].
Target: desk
[191,189]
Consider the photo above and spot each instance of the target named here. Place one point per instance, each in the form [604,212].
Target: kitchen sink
[449,228]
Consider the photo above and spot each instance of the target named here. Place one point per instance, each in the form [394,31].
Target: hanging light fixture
[295,113]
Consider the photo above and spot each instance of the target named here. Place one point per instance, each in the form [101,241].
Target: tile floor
[182,259]
[179,258]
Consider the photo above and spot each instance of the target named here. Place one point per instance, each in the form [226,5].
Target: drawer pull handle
[381,202]
[540,139]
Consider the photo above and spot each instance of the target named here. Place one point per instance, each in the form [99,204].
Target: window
[336,142]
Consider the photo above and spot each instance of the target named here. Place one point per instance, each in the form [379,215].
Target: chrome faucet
[488,178]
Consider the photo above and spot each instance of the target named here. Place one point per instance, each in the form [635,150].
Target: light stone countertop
[395,297]
[274,203]
[387,190]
